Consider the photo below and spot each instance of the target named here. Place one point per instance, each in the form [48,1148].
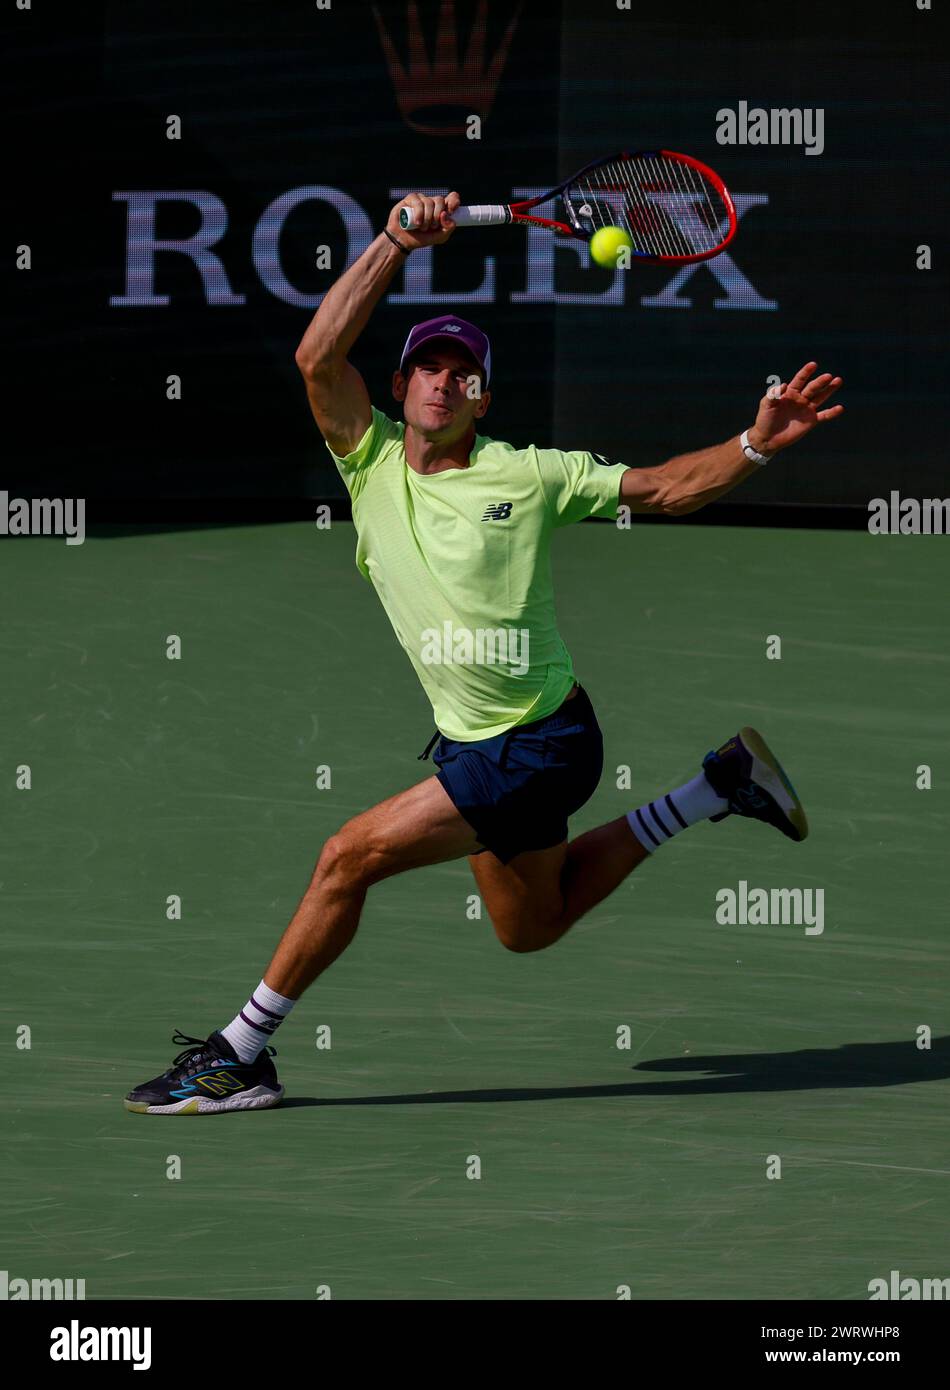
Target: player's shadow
[815,1068]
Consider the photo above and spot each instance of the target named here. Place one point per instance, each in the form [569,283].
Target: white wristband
[751,453]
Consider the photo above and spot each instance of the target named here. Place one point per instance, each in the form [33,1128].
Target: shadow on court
[839,1068]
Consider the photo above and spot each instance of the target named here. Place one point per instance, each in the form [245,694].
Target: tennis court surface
[600,1166]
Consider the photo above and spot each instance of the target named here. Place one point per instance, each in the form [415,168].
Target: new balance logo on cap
[451,328]
[497,511]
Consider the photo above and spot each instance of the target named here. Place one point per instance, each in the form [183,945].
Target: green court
[645,1166]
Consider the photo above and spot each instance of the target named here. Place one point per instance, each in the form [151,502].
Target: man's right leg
[414,828]
[231,1069]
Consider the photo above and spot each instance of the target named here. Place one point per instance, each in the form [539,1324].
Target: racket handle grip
[478,215]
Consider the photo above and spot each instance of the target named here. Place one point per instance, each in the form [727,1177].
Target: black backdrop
[301,125]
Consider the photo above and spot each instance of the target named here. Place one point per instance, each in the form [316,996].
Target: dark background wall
[296,134]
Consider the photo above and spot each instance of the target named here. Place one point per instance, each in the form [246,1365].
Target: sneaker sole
[260,1098]
[770,774]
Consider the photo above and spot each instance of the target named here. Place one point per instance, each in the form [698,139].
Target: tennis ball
[606,244]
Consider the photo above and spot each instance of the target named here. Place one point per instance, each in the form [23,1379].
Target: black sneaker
[207,1079]
[748,774]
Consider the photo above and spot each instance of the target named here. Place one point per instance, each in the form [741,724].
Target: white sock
[659,820]
[260,1018]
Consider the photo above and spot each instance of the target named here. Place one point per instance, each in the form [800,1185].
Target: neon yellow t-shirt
[461,563]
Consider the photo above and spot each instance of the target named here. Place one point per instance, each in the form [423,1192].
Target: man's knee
[526,934]
[353,857]
[334,858]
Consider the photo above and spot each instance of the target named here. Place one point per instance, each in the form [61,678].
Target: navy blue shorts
[517,789]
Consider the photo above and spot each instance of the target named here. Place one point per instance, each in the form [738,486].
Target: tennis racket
[675,209]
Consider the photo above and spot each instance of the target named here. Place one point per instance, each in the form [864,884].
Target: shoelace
[189,1055]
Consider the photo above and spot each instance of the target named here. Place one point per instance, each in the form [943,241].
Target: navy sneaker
[207,1079]
[748,774]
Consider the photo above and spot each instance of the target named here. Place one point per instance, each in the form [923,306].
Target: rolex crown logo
[436,98]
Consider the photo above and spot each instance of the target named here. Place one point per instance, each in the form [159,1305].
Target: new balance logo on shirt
[497,511]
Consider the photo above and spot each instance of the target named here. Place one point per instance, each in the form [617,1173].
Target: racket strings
[665,205]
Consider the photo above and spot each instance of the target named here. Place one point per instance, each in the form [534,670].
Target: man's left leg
[537,896]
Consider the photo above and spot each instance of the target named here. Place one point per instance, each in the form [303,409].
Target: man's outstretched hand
[794,409]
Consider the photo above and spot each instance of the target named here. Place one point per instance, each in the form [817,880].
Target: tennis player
[454,532]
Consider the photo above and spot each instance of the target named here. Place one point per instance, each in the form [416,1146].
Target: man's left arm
[689,481]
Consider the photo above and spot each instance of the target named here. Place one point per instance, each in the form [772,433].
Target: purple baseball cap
[453,330]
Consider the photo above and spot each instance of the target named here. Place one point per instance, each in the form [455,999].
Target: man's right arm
[336,391]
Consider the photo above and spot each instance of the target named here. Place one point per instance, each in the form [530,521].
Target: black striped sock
[665,816]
